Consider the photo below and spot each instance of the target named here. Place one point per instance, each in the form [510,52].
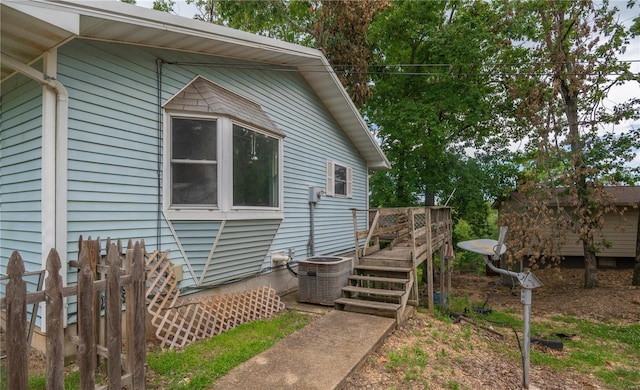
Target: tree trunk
[590,266]
[636,270]
[429,198]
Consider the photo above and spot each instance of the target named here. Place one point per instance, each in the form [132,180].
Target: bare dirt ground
[429,353]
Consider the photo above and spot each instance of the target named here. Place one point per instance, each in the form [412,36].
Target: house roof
[202,95]
[619,196]
[30,28]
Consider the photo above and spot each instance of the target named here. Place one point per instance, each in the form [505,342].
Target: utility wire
[346,69]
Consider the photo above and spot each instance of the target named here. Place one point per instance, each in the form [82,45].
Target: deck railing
[423,229]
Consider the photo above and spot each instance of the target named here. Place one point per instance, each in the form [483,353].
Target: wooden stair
[378,289]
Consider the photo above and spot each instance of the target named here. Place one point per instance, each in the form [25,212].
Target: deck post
[429,267]
[370,236]
[414,259]
[354,212]
[443,290]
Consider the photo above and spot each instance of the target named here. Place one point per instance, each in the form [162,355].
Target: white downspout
[54,157]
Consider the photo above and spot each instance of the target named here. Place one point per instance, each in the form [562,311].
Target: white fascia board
[145,17]
[68,21]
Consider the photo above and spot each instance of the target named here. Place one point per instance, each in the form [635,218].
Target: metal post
[525,298]
[492,248]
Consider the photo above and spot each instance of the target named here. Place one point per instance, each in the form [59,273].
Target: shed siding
[21,171]
[619,230]
[113,144]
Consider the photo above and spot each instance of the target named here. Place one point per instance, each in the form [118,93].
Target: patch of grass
[38,381]
[407,356]
[453,385]
[504,319]
[455,304]
[199,364]
[608,351]
[409,360]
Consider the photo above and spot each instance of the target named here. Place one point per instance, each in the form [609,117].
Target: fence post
[136,353]
[55,332]
[87,342]
[114,318]
[94,250]
[17,362]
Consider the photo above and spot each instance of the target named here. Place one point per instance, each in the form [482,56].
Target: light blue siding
[241,250]
[113,159]
[20,176]
[20,173]
[197,239]
[113,143]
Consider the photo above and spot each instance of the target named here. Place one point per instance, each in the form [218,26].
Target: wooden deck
[388,252]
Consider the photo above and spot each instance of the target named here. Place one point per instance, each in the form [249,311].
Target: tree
[158,5]
[434,96]
[636,269]
[338,28]
[164,5]
[567,62]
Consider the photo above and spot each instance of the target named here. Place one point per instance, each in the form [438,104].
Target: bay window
[194,166]
[222,156]
[255,168]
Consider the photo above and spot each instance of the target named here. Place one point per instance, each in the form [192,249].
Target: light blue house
[124,122]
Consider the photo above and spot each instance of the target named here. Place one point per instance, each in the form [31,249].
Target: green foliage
[455,304]
[464,231]
[291,21]
[434,97]
[164,5]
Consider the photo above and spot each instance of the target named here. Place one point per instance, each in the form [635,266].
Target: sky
[617,95]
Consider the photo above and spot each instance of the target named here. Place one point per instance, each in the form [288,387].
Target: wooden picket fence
[95,278]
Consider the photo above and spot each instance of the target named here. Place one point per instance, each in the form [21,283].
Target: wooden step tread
[380,268]
[374,291]
[368,304]
[368,278]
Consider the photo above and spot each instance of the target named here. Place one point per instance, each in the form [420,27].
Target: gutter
[54,156]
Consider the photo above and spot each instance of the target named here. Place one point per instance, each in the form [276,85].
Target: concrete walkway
[318,356]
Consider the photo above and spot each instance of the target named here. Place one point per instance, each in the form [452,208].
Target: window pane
[255,169]
[341,188]
[340,180]
[194,184]
[193,139]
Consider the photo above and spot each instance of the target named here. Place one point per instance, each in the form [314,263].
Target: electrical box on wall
[314,194]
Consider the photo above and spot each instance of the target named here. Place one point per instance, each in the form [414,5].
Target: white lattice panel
[180,321]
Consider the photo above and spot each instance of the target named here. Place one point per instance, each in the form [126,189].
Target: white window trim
[224,209]
[330,180]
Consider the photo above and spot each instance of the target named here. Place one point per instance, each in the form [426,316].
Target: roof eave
[120,22]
